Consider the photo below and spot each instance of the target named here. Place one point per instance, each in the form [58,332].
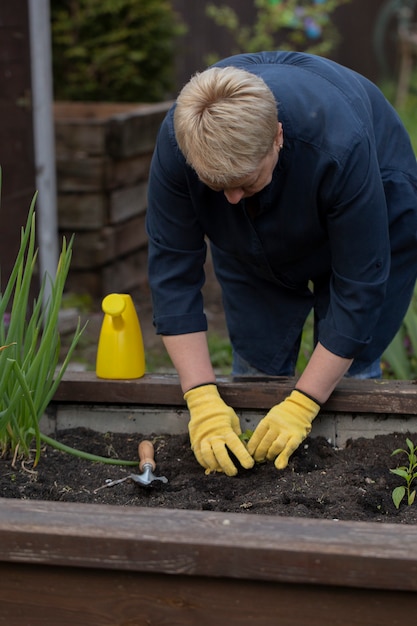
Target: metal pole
[43,128]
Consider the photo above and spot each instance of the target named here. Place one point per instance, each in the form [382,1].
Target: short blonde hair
[225,123]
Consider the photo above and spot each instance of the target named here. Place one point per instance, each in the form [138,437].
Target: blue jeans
[362,370]
[359,370]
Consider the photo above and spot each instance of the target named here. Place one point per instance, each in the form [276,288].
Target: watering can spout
[120,351]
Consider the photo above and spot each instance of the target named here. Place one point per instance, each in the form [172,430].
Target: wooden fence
[16,134]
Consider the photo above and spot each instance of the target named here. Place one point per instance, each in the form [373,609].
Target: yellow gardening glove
[282,430]
[213,426]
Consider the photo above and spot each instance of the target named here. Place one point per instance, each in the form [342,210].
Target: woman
[302,177]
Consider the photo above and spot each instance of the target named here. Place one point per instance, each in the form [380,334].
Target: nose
[234,195]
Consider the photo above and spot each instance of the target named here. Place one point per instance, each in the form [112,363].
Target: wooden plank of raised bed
[128,202]
[153,389]
[82,211]
[127,273]
[128,172]
[130,235]
[210,544]
[132,133]
[92,248]
[351,396]
[47,596]
[82,127]
[84,174]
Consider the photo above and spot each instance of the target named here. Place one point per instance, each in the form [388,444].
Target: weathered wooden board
[68,596]
[103,153]
[108,244]
[85,174]
[351,396]
[125,273]
[131,236]
[96,564]
[82,211]
[117,129]
[131,134]
[127,203]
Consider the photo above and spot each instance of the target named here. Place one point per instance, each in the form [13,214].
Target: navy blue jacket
[336,228]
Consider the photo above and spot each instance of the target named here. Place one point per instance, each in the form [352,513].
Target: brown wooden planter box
[103,153]
[63,563]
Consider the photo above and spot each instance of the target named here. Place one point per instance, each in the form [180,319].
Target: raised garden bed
[72,563]
[103,154]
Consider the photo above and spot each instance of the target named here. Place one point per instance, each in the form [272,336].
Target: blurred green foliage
[114,50]
[303,25]
[400,358]
[220,353]
[408,110]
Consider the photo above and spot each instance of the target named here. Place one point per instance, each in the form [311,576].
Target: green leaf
[81,454]
[31,407]
[410,445]
[400,472]
[411,497]
[397,496]
[246,435]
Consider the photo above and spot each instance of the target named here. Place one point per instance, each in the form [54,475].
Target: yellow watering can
[120,352]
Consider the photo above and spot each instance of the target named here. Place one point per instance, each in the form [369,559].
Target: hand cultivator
[147,467]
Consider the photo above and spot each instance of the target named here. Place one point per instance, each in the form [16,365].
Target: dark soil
[353,483]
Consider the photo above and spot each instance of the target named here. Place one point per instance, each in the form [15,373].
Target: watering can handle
[146,454]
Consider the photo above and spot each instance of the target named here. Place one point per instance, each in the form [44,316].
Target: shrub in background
[303,25]
[113,50]
[400,358]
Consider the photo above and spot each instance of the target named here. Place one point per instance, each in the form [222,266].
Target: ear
[279,137]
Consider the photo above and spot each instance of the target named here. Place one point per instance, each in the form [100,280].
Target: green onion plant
[30,349]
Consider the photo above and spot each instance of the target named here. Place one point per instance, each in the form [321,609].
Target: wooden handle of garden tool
[146,454]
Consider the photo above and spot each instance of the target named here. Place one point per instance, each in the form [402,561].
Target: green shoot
[246,435]
[408,473]
[30,371]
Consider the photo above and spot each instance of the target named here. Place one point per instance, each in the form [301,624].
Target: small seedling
[408,473]
[246,435]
